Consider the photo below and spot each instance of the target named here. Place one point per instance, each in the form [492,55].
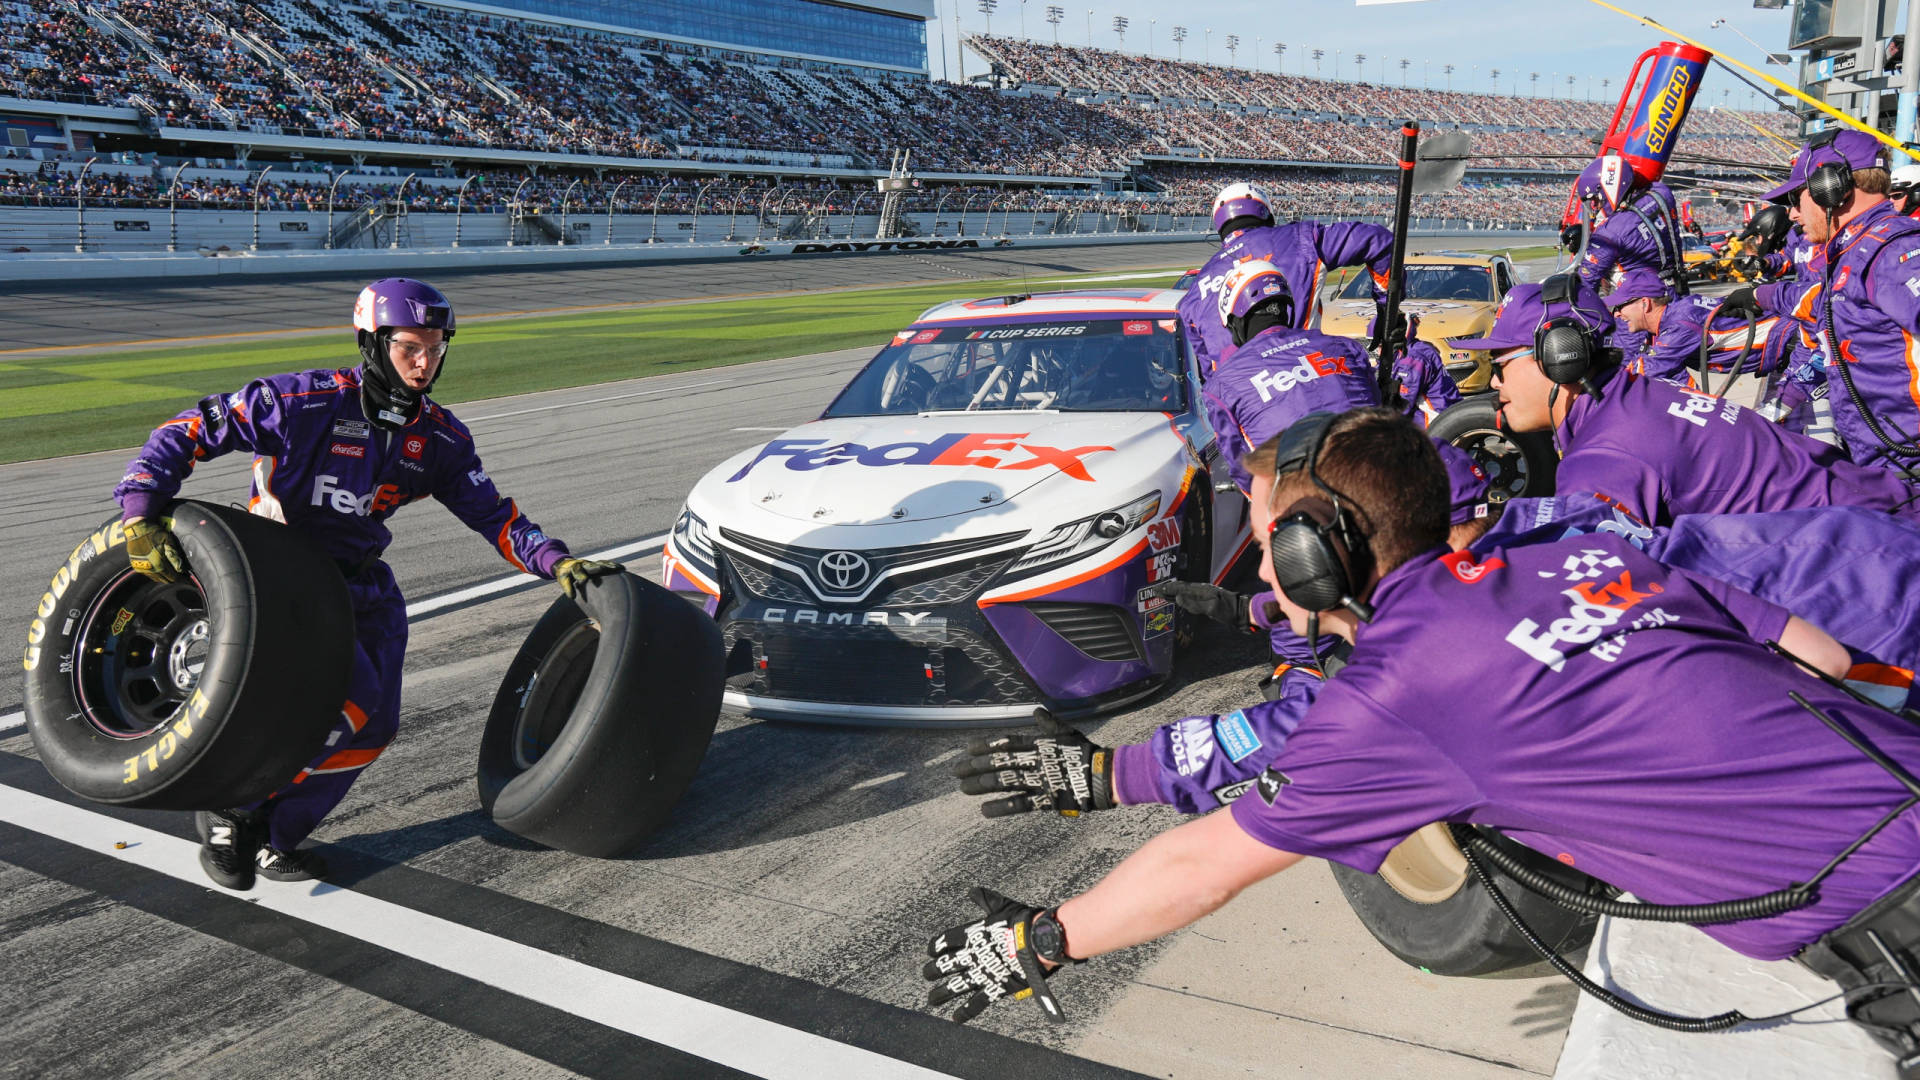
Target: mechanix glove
[153,551]
[1223,606]
[573,574]
[1741,302]
[1389,340]
[1060,770]
[1570,236]
[994,957]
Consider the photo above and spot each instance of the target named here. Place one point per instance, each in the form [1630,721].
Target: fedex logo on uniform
[1311,366]
[328,492]
[1592,608]
[985,450]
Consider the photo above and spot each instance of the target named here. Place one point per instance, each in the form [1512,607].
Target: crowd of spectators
[412,72]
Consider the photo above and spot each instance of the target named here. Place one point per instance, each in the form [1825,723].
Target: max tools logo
[986,450]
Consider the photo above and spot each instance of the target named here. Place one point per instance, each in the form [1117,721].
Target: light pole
[1359,67]
[1206,46]
[1179,38]
[1533,83]
[1772,57]
[459,203]
[1569,88]
[1448,69]
[1496,80]
[565,197]
[1317,54]
[1023,20]
[1054,14]
[612,201]
[1336,65]
[513,209]
[400,201]
[258,181]
[1403,70]
[173,223]
[1551,80]
[330,187]
[1120,25]
[1279,57]
[1232,42]
[985,8]
[80,210]
[1089,28]
[1151,23]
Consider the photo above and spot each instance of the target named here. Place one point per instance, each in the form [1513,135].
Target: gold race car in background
[1454,293]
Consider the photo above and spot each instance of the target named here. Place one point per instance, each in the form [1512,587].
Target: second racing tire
[603,718]
[206,693]
[1426,907]
[1517,465]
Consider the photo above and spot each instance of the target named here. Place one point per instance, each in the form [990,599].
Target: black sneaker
[299,864]
[227,851]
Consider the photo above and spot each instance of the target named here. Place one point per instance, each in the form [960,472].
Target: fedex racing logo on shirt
[1593,607]
[1312,366]
[984,450]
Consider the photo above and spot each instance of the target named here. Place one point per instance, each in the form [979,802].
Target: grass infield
[71,403]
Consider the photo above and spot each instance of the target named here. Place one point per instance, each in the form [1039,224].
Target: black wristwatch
[1049,938]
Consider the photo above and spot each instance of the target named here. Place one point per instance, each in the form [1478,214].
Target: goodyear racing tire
[603,718]
[1427,909]
[206,693]
[1517,465]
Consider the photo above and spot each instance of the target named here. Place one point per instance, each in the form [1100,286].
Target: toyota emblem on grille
[843,571]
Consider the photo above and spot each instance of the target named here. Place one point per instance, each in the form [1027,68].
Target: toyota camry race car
[969,530]
[1455,294]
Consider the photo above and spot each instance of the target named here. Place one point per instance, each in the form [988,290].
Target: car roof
[1453,258]
[1115,302]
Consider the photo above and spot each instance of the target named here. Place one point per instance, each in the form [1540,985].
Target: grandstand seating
[415,73]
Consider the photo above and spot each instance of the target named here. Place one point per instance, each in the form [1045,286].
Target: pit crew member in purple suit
[336,453]
[1660,449]
[1303,252]
[1426,387]
[1586,660]
[1670,331]
[1865,306]
[1636,226]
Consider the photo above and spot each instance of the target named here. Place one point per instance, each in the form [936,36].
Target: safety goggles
[407,350]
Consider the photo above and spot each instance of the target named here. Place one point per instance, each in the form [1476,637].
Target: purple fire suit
[1427,389]
[1303,252]
[1872,287]
[1643,234]
[320,466]
[1663,450]
[1280,375]
[1673,351]
[1637,730]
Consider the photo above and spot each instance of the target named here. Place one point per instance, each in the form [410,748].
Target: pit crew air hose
[1706,346]
[1732,1018]
[1764,906]
[1901,449]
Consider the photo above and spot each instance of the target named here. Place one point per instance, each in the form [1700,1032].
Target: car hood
[1438,318]
[896,469]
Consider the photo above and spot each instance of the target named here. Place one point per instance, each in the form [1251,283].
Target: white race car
[966,532]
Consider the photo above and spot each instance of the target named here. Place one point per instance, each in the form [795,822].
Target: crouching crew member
[335,453]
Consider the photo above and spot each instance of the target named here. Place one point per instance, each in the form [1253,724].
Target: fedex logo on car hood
[981,450]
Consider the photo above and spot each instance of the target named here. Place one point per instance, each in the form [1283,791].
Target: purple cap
[1635,284]
[1240,200]
[1248,285]
[1522,312]
[1466,483]
[1857,148]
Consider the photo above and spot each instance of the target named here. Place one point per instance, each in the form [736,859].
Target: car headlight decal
[691,538]
[1079,538]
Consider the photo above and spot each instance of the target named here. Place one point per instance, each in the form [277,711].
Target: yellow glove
[573,574]
[153,550]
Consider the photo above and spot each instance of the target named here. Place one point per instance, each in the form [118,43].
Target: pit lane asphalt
[802,873]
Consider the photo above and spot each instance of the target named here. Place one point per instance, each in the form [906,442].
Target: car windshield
[1092,365]
[1429,282]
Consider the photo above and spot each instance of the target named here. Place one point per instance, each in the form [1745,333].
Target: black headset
[1831,182]
[1321,559]
[1566,345]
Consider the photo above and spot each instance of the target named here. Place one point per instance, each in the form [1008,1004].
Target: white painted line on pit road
[488,588]
[763,429]
[733,1039]
[471,420]
[12,720]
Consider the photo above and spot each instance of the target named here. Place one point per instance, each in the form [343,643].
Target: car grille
[1101,631]
[955,582]
[872,665]
[805,560]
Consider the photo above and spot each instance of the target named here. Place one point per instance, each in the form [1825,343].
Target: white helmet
[1905,178]
[1239,200]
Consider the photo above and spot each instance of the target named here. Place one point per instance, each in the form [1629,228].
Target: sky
[1556,38]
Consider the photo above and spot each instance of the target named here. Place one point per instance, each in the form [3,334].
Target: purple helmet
[1250,284]
[385,306]
[1608,178]
[1240,200]
[402,303]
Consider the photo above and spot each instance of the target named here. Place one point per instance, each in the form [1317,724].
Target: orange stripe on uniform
[1913,370]
[356,716]
[1880,675]
[344,761]
[505,540]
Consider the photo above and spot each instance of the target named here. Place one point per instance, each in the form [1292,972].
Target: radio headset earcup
[1563,344]
[1830,184]
[1311,564]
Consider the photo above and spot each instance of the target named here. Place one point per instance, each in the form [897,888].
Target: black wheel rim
[551,694]
[140,650]
[1504,462]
